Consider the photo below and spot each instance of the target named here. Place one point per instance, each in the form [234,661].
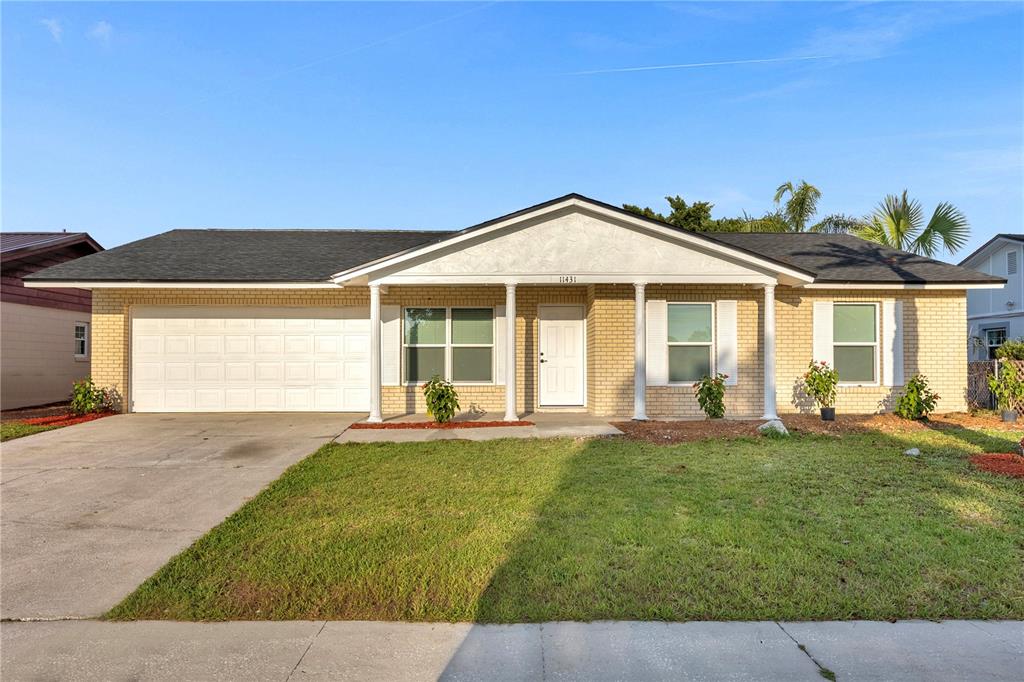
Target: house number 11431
[567,279]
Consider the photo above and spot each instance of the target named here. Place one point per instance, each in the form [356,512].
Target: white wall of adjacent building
[993,314]
[38,362]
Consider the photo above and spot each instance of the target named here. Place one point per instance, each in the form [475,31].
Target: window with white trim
[994,338]
[690,337]
[81,340]
[453,343]
[855,342]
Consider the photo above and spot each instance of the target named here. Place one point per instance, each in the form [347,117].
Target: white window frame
[711,345]
[448,345]
[989,348]
[851,344]
[85,341]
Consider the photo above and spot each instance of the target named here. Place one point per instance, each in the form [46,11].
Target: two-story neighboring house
[45,342]
[995,315]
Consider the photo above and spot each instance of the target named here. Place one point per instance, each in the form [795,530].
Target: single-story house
[995,315]
[44,333]
[572,304]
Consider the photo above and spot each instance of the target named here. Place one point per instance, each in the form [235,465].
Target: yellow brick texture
[934,340]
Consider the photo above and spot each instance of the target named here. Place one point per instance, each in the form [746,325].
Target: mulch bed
[668,432]
[435,425]
[65,419]
[1005,463]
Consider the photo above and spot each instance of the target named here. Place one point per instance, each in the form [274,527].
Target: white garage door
[247,359]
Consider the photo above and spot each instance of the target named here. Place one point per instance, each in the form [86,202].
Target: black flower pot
[828,414]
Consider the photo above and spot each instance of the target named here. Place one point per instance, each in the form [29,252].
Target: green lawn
[511,531]
[12,430]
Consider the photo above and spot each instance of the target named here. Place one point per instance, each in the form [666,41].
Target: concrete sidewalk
[545,425]
[858,650]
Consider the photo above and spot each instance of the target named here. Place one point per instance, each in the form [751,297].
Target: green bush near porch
[519,530]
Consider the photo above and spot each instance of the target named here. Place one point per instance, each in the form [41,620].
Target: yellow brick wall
[934,340]
[934,344]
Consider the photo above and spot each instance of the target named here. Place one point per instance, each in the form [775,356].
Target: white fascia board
[933,287]
[181,285]
[639,222]
[571,279]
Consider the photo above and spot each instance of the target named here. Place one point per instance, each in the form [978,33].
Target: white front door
[562,362]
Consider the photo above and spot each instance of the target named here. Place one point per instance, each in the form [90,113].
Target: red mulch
[435,425]
[1005,463]
[65,419]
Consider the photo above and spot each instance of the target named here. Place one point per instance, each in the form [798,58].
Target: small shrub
[87,397]
[775,434]
[710,392]
[1008,387]
[1012,349]
[820,383]
[442,399]
[917,401]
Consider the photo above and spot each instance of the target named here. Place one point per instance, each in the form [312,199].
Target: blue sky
[128,119]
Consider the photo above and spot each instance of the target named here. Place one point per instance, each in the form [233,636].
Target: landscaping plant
[1012,349]
[87,397]
[1008,389]
[442,399]
[710,392]
[917,401]
[820,383]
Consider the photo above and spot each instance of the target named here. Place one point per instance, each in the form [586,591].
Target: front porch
[590,349]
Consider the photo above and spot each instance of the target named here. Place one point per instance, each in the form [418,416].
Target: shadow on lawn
[617,539]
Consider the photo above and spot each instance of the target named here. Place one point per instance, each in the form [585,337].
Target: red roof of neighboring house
[18,244]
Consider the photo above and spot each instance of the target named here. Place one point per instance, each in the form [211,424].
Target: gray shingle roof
[315,255]
[239,256]
[843,258]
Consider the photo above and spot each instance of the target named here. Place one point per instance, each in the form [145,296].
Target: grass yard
[14,429]
[813,527]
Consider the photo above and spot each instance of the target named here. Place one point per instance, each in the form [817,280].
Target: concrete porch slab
[545,425]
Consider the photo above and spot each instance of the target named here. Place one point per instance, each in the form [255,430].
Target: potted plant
[1007,388]
[820,382]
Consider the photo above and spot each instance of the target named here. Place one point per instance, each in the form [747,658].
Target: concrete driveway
[90,511]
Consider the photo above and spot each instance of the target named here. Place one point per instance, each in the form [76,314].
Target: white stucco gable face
[575,244]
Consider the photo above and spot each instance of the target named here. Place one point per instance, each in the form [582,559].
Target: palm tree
[898,222]
[801,205]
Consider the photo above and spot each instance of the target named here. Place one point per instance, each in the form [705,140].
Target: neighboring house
[995,315]
[44,333]
[572,304]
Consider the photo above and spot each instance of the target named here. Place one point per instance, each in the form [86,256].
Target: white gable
[575,246]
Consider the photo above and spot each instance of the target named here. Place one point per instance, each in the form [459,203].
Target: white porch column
[769,352]
[375,350]
[510,353]
[640,354]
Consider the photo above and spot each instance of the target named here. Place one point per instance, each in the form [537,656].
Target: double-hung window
[453,343]
[81,340]
[994,338]
[855,342]
[689,342]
